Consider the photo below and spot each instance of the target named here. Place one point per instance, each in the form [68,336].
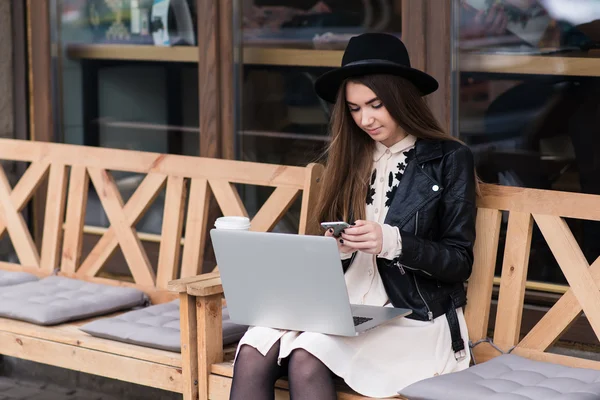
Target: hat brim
[327,85]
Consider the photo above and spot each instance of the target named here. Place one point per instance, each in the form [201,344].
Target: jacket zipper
[429,313]
[417,223]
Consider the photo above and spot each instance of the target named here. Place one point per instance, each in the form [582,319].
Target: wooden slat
[54,217]
[206,287]
[568,361]
[274,209]
[168,258]
[16,226]
[228,198]
[134,210]
[195,229]
[189,345]
[144,162]
[132,249]
[310,196]
[558,319]
[26,186]
[584,65]
[481,280]
[91,361]
[132,52]
[514,275]
[77,201]
[573,264]
[180,285]
[220,386]
[32,269]
[548,202]
[210,338]
[70,334]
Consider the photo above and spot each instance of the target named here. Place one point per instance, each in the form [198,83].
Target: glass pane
[528,101]
[123,80]
[285,46]
[121,83]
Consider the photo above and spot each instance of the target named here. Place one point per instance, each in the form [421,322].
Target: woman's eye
[377,105]
[354,109]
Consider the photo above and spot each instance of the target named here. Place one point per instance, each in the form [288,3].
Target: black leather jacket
[434,209]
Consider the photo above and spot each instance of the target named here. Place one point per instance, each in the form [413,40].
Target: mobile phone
[338,227]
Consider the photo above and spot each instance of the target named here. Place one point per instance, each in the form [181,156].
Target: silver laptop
[292,282]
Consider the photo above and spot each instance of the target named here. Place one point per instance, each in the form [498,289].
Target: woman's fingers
[368,237]
[360,245]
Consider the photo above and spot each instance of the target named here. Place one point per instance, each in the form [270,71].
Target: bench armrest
[204,298]
[206,287]
[180,285]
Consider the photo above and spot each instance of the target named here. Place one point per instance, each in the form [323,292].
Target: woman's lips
[373,131]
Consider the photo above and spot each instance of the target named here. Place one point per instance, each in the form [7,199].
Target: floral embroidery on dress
[395,178]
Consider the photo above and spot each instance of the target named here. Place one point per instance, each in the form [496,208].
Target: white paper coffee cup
[234,223]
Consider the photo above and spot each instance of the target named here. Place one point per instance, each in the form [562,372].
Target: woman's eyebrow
[368,102]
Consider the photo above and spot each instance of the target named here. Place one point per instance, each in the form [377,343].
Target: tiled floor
[12,389]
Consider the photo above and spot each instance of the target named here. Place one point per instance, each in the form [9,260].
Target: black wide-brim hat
[373,53]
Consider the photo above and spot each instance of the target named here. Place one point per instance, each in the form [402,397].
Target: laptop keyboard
[360,320]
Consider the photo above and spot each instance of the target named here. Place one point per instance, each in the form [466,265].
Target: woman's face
[371,116]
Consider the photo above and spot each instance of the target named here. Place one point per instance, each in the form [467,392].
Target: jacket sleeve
[450,257]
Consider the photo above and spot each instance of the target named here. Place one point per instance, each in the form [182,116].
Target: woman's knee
[251,364]
[304,368]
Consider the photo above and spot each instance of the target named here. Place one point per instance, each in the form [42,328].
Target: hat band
[375,61]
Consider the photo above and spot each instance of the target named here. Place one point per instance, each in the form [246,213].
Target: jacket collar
[427,150]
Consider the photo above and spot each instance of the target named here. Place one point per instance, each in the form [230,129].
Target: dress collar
[406,143]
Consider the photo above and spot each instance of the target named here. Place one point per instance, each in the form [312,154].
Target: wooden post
[41,126]
[209,78]
[426,31]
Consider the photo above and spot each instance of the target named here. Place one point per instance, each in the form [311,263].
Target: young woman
[409,189]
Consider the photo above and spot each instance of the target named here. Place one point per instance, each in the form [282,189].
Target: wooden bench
[525,206]
[66,170]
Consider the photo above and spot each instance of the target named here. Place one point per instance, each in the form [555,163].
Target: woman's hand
[365,236]
[341,247]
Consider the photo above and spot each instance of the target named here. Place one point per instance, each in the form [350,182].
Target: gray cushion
[156,326]
[510,377]
[9,278]
[56,299]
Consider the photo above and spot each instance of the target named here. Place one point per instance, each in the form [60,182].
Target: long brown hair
[349,159]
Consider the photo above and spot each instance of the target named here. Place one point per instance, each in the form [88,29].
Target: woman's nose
[366,119]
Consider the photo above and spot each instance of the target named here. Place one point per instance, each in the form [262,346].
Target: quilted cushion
[8,278]
[156,326]
[56,299]
[510,377]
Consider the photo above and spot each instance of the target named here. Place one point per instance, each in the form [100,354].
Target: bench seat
[510,377]
[9,278]
[67,346]
[57,299]
[156,326]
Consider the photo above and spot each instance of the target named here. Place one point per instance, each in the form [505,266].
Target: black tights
[254,375]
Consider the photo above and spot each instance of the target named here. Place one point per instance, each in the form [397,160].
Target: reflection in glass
[529,101]
[285,46]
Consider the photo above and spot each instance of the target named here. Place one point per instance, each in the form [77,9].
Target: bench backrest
[525,207]
[189,182]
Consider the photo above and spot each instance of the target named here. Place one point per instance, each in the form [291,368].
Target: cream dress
[384,360]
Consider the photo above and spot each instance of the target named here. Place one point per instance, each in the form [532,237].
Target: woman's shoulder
[451,146]
[444,148]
